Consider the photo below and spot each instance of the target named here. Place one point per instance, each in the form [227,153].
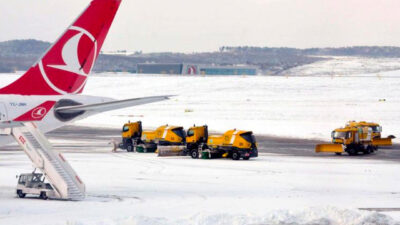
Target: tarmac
[84,139]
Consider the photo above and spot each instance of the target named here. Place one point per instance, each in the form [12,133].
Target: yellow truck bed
[215,140]
[148,136]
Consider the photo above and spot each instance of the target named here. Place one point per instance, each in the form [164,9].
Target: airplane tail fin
[64,68]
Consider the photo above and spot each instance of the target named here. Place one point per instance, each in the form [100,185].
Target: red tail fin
[65,66]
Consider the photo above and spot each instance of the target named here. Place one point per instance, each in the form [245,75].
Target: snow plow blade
[382,141]
[336,148]
[171,150]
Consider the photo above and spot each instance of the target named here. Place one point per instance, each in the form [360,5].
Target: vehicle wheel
[338,153]
[194,154]
[351,151]
[246,158]
[129,147]
[368,150]
[20,194]
[43,195]
[236,156]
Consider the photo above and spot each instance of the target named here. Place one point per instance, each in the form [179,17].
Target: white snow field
[300,107]
[346,66]
[303,107]
[133,189]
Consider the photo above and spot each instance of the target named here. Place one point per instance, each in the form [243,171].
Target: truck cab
[33,183]
[131,135]
[343,135]
[196,136]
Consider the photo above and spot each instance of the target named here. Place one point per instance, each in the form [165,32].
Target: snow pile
[346,66]
[311,216]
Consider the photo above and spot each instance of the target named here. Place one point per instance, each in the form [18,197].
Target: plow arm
[171,150]
[336,148]
[383,141]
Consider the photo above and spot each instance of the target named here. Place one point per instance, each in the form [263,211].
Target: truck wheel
[236,156]
[43,195]
[351,151]
[338,153]
[194,154]
[368,150]
[20,194]
[129,147]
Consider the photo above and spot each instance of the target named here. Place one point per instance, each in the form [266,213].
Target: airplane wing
[10,124]
[112,105]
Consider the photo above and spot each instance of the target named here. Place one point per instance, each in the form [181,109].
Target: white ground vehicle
[33,184]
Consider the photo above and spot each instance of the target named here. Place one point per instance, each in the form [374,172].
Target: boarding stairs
[59,173]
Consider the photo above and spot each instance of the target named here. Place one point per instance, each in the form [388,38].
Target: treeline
[361,51]
[21,54]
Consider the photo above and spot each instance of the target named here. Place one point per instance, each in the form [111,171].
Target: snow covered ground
[272,189]
[304,107]
[346,66]
[134,188]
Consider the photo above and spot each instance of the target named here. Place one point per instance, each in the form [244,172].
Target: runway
[85,139]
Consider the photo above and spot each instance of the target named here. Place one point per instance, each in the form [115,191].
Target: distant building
[157,68]
[194,69]
[228,70]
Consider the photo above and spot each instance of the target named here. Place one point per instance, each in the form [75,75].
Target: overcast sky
[205,25]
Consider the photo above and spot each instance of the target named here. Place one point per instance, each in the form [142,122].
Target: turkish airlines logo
[192,70]
[39,112]
[72,57]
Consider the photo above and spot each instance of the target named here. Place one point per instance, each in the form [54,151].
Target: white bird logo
[70,55]
[39,112]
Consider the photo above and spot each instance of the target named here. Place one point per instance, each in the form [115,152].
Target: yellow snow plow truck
[134,138]
[356,137]
[376,132]
[235,144]
[131,136]
[167,139]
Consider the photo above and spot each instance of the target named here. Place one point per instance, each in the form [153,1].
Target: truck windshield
[376,129]
[179,132]
[190,133]
[339,134]
[125,128]
[249,137]
[23,179]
